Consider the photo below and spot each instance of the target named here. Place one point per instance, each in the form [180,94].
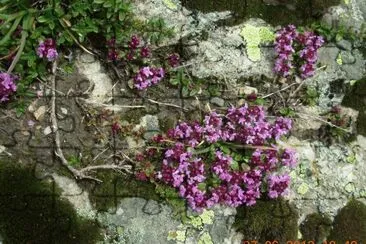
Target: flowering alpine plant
[148,76]
[296,52]
[7,86]
[47,49]
[229,159]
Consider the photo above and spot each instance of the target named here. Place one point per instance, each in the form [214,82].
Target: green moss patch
[315,227]
[350,223]
[268,220]
[32,212]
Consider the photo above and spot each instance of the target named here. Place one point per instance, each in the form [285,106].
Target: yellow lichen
[254,36]
[207,216]
[170,4]
[339,59]
[205,238]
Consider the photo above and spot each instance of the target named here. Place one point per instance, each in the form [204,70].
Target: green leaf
[234,165]
[185,91]
[99,1]
[202,186]
[174,81]
[42,19]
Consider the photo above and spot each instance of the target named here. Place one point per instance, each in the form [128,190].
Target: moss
[315,227]
[355,99]
[134,115]
[268,220]
[350,223]
[32,212]
[107,194]
[301,13]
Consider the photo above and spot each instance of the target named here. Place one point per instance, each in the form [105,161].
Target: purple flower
[134,42]
[148,76]
[7,86]
[173,60]
[47,49]
[145,52]
[278,185]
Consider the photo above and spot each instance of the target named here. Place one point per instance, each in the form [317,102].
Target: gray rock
[150,122]
[347,57]
[344,45]
[218,101]
[136,225]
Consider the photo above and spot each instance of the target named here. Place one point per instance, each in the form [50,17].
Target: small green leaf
[234,165]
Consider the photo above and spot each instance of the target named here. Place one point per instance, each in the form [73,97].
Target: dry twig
[78,174]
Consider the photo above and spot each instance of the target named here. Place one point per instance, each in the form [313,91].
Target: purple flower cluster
[296,52]
[193,176]
[47,49]
[7,86]
[133,45]
[173,60]
[148,76]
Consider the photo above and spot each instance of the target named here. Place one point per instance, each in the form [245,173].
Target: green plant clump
[268,220]
[31,211]
[74,23]
[350,223]
[315,227]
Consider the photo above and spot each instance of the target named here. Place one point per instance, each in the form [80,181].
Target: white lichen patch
[76,196]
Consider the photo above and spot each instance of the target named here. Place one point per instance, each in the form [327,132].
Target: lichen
[253,37]
[170,4]
[339,59]
[303,188]
[205,238]
[207,216]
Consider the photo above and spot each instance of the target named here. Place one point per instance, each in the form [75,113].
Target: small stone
[152,208]
[240,102]
[247,90]
[218,101]
[150,122]
[344,45]
[64,110]
[39,113]
[47,130]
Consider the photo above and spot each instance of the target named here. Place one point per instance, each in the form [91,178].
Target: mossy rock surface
[31,211]
[315,227]
[268,220]
[350,223]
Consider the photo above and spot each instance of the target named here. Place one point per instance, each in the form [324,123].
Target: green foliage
[338,33]
[350,223]
[315,227]
[191,86]
[31,211]
[70,23]
[171,196]
[268,220]
[311,96]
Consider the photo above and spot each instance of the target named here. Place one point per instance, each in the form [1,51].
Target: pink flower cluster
[148,76]
[7,86]
[208,179]
[47,49]
[296,52]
